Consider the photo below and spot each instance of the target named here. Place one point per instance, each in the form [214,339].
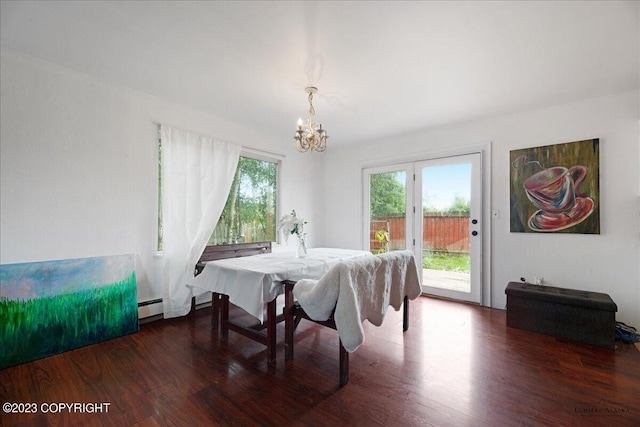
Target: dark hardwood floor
[457,365]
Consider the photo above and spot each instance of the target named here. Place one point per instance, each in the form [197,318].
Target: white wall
[605,263]
[79,179]
[79,166]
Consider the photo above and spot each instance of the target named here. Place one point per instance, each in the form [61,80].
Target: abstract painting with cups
[556,188]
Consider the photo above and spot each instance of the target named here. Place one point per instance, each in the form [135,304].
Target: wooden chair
[294,312]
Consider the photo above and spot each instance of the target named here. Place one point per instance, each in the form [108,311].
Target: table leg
[271,330]
[224,327]
[215,310]
[288,322]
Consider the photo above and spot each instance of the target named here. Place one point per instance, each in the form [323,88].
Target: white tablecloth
[252,281]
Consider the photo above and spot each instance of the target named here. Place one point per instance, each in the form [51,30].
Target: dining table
[254,282]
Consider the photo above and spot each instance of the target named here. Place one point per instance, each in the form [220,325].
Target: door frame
[484,148]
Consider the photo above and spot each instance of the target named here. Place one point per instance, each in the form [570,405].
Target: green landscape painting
[50,307]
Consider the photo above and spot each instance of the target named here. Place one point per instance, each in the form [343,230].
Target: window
[250,212]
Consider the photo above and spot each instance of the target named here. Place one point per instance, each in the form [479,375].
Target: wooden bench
[582,316]
[216,252]
[236,250]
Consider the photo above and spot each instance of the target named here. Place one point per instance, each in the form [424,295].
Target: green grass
[446,262]
[31,329]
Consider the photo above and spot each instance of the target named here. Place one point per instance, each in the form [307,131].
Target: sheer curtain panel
[197,173]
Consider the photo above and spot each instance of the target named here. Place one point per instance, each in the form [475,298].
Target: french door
[433,208]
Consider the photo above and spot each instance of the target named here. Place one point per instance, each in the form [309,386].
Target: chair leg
[405,317]
[344,365]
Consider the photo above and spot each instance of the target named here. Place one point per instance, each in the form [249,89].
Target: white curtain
[197,173]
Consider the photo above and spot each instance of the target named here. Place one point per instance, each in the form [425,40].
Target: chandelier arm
[301,143]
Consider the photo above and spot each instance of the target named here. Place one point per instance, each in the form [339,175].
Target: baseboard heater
[150,302]
[160,316]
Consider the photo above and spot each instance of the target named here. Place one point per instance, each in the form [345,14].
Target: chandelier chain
[312,111]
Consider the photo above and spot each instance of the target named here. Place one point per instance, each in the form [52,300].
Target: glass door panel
[386,227]
[449,224]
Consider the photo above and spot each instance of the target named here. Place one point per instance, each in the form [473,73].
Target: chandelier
[310,136]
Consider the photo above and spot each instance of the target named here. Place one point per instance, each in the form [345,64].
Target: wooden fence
[441,232]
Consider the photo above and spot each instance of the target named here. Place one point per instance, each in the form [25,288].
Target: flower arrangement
[291,224]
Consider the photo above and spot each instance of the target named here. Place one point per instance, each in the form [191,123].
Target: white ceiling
[382,68]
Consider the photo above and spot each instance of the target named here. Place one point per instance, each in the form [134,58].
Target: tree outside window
[250,212]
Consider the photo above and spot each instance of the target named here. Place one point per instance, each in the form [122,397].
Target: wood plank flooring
[457,365]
